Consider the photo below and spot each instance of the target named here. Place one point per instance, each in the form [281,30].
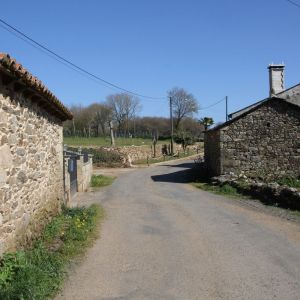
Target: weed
[38,272]
[101,180]
[289,181]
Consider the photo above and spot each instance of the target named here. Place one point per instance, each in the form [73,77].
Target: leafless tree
[124,107]
[184,105]
[100,115]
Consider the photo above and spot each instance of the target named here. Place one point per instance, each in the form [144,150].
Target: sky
[212,49]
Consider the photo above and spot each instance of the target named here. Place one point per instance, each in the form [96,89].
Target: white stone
[5,157]
[3,177]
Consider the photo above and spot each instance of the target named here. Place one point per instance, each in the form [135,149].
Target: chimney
[276,76]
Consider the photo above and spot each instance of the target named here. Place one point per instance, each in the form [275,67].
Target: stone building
[31,154]
[262,139]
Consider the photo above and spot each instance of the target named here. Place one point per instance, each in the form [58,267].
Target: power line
[65,61]
[293,3]
[214,104]
[53,57]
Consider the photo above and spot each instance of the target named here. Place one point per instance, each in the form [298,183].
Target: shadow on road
[183,176]
[189,165]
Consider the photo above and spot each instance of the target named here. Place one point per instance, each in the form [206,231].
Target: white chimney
[276,75]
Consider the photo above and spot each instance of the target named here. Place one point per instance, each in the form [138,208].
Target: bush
[184,138]
[102,157]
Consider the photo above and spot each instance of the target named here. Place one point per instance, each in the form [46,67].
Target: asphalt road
[163,239]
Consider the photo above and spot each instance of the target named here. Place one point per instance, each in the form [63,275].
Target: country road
[164,239]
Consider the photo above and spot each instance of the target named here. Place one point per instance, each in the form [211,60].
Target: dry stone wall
[263,143]
[31,168]
[130,154]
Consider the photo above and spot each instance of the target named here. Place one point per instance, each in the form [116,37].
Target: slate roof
[291,95]
[12,68]
[253,108]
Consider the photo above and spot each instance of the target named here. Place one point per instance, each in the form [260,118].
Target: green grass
[38,272]
[225,190]
[105,141]
[101,180]
[289,181]
[162,159]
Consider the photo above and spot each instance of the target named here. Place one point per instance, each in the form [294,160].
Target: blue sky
[210,48]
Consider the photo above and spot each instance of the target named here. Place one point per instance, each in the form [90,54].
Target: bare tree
[184,104]
[101,115]
[124,107]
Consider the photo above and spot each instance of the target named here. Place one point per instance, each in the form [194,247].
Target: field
[105,141]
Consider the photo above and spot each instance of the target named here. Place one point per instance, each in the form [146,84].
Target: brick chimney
[276,76]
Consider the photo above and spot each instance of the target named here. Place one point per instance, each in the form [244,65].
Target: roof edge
[18,72]
[263,102]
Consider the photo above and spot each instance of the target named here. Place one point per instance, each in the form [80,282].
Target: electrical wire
[293,3]
[214,104]
[67,62]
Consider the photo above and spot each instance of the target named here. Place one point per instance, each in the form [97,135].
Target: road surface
[164,239]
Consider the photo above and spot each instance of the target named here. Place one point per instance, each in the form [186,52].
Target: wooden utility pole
[172,127]
[112,138]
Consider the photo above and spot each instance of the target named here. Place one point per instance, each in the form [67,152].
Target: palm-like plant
[206,122]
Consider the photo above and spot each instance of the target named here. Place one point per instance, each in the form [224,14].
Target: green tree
[206,122]
[184,138]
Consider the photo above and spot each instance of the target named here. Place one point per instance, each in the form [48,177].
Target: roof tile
[18,71]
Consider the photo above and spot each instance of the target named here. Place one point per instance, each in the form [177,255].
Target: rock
[5,156]
[20,151]
[22,178]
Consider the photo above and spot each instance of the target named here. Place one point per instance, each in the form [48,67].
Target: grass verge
[225,190]
[101,180]
[38,272]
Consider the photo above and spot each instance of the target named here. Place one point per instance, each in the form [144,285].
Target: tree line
[122,110]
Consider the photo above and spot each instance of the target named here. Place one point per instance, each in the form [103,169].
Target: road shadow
[189,165]
[184,176]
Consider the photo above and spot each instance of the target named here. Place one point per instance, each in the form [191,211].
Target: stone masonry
[31,155]
[263,142]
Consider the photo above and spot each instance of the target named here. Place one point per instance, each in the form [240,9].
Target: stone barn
[31,154]
[260,140]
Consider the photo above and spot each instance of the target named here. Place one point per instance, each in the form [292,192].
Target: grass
[101,180]
[152,160]
[225,190]
[290,182]
[105,141]
[38,272]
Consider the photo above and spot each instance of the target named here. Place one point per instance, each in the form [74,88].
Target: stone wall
[212,154]
[135,153]
[84,173]
[263,143]
[31,168]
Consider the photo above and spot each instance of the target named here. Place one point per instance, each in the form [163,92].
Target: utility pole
[171,123]
[112,138]
[226,108]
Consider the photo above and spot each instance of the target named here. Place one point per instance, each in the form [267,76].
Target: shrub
[102,157]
